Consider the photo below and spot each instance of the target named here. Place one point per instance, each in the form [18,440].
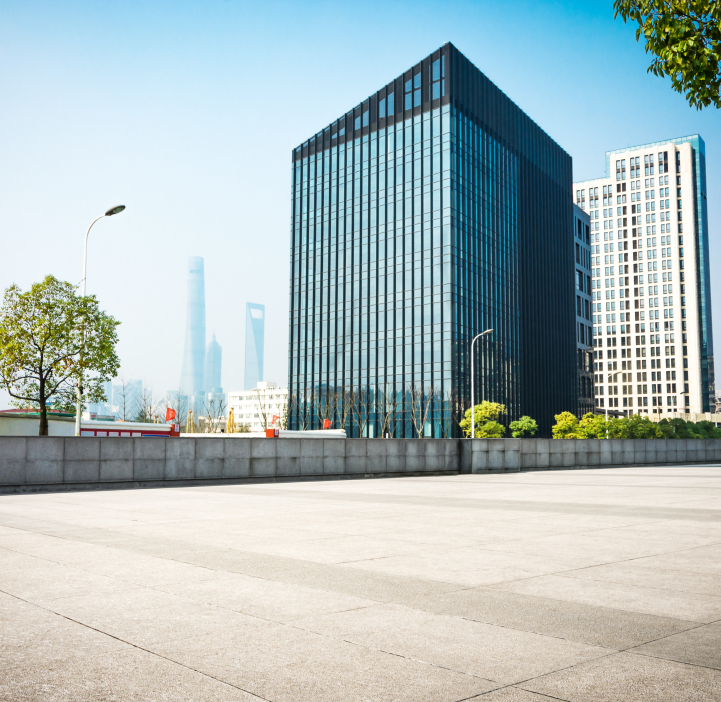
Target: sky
[187,113]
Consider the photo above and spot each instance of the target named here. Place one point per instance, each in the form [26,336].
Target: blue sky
[187,112]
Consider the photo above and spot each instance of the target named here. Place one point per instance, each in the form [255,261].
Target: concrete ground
[587,586]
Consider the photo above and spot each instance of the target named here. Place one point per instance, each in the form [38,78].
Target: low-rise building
[256,408]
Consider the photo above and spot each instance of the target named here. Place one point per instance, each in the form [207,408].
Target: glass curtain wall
[371,281]
[408,215]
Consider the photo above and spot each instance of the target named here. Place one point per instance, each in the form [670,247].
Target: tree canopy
[50,338]
[685,38]
[523,426]
[635,426]
[486,421]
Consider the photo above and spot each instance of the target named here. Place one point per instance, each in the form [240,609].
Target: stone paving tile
[32,578]
[700,646]
[661,603]
[287,664]
[343,549]
[31,635]
[495,653]
[600,626]
[625,677]
[267,599]
[633,573]
[125,566]
[469,566]
[375,586]
[599,546]
[123,676]
[142,616]
[706,559]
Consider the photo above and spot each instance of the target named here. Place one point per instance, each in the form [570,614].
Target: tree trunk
[43,412]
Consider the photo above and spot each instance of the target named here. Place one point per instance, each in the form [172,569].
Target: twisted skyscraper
[191,379]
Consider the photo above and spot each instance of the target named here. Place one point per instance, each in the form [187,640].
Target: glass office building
[432,211]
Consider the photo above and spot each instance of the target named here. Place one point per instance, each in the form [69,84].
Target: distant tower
[191,379]
[213,359]
[254,335]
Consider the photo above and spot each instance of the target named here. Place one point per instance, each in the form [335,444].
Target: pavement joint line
[511,686]
[138,647]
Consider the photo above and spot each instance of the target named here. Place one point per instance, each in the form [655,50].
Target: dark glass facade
[434,210]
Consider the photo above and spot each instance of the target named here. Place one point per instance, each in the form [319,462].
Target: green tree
[641,427]
[708,430]
[685,38]
[683,429]
[491,430]
[484,413]
[525,426]
[42,351]
[592,426]
[667,429]
[566,427]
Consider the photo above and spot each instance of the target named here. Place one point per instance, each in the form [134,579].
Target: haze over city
[187,114]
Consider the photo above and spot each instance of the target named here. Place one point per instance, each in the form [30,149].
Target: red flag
[275,419]
[169,414]
[326,424]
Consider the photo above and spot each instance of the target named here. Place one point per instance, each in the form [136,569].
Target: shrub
[491,430]
[525,426]
[566,426]
[485,413]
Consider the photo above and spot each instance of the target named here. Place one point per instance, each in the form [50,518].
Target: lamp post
[610,380]
[473,408]
[78,401]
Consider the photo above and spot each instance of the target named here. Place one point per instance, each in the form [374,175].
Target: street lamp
[473,408]
[610,380]
[78,401]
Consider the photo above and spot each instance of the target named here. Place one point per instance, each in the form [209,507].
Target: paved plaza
[587,586]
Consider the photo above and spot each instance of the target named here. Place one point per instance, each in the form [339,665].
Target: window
[437,72]
[409,94]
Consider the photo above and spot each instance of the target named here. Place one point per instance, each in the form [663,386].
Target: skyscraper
[254,341]
[213,359]
[191,379]
[432,211]
[651,278]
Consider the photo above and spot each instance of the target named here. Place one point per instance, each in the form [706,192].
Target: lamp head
[488,331]
[115,210]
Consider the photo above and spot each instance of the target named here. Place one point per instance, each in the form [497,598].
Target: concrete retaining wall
[35,462]
[510,455]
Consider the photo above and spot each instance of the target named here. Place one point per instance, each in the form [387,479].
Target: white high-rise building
[651,297]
